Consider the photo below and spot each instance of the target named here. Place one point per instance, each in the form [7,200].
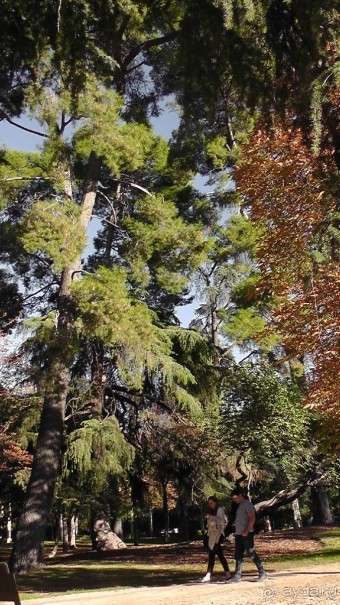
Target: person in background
[216,522]
[244,535]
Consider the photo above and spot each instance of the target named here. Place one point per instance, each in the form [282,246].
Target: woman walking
[216,523]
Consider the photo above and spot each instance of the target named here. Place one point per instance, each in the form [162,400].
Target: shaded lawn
[162,565]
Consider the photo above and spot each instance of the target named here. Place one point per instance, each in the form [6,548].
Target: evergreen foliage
[94,452]
[263,420]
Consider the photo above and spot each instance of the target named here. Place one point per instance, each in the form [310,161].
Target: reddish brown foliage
[290,192]
[12,456]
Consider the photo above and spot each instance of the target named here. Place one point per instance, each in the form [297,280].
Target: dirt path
[312,585]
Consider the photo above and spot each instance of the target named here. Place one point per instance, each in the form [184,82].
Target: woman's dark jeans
[246,544]
[217,551]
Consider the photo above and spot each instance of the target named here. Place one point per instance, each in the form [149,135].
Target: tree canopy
[103,236]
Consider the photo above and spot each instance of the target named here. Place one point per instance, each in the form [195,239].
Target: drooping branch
[266,507]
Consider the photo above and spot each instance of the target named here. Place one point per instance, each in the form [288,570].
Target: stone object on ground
[105,538]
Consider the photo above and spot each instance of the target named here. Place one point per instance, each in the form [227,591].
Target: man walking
[244,536]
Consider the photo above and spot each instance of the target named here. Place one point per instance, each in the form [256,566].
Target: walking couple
[217,530]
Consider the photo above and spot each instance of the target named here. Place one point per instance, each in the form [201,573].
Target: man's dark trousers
[246,544]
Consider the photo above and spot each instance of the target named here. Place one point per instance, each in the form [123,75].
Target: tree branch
[38,291]
[24,178]
[40,134]
[287,496]
[145,45]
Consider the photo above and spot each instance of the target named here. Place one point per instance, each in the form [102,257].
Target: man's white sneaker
[206,578]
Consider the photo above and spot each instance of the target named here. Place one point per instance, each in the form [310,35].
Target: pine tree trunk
[135,529]
[97,374]
[28,551]
[214,328]
[28,545]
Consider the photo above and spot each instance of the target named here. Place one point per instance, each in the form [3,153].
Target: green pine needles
[96,451]
[53,227]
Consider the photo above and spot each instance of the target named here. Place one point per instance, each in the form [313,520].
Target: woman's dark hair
[213,511]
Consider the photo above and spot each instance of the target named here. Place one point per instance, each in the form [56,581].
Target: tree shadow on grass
[55,580]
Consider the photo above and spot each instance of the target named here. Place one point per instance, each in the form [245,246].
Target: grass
[329,553]
[101,576]
[86,571]
[81,575]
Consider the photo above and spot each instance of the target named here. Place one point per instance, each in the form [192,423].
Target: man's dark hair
[237,492]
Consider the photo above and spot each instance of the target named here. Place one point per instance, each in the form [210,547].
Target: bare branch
[24,178]
[141,188]
[255,352]
[40,134]
[99,192]
[38,291]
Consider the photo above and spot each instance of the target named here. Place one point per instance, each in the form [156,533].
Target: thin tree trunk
[297,514]
[134,528]
[165,512]
[184,522]
[214,328]
[118,528]
[151,523]
[58,533]
[97,375]
[28,551]
[9,525]
[73,530]
[66,537]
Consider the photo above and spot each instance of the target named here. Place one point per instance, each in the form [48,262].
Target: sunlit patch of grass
[328,553]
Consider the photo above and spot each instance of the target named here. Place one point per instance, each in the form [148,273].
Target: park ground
[303,568]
